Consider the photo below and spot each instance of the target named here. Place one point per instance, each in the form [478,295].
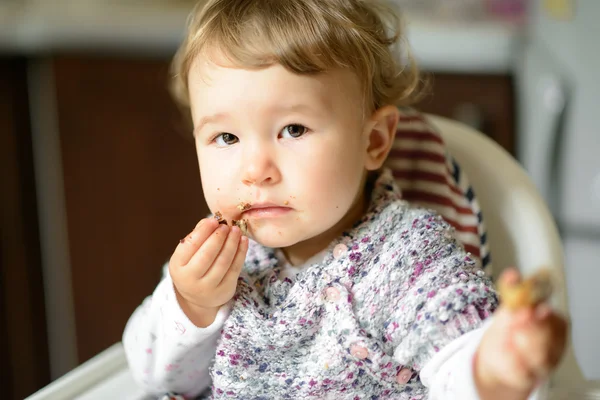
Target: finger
[510,277]
[191,243]
[222,263]
[558,342]
[516,371]
[512,319]
[522,317]
[202,260]
[533,354]
[543,343]
[542,311]
[554,330]
[527,358]
[232,275]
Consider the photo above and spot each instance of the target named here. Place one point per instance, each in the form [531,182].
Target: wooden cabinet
[484,101]
[132,187]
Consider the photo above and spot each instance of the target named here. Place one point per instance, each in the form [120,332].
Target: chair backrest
[521,230]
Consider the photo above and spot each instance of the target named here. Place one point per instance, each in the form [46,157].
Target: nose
[259,167]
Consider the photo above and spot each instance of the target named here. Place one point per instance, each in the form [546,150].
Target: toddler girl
[344,290]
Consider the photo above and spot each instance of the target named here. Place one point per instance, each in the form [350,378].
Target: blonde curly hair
[305,37]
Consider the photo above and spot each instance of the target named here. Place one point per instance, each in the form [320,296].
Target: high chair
[521,233]
[521,230]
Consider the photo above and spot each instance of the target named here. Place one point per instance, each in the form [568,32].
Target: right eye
[226,139]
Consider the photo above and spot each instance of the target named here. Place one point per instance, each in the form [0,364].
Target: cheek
[334,178]
[214,182]
[210,191]
[343,164]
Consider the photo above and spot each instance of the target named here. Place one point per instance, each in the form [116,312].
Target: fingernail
[511,276]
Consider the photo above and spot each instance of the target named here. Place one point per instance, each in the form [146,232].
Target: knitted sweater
[389,294]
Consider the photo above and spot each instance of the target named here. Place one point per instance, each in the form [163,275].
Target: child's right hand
[205,268]
[520,348]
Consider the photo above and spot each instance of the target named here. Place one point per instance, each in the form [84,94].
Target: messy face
[283,151]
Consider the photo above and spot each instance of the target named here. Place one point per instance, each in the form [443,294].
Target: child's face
[293,147]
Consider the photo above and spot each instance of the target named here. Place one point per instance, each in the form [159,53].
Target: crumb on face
[219,217]
[242,224]
[243,206]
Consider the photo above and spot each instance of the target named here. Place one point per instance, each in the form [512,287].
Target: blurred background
[99,179]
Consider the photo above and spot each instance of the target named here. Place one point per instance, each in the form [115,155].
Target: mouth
[265,210]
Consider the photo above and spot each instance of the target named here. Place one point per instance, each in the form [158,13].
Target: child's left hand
[519,350]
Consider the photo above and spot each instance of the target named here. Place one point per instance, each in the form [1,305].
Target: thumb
[509,277]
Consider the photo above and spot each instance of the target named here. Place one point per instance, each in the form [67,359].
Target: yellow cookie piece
[527,293]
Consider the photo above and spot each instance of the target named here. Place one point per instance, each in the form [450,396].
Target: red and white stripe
[424,172]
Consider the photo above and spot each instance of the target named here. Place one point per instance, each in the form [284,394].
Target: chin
[275,239]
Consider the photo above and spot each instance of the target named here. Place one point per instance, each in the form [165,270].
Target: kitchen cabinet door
[485,102]
[131,182]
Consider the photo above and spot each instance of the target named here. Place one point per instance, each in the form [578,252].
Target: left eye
[294,130]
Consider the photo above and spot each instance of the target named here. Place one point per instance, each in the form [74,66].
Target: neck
[301,252]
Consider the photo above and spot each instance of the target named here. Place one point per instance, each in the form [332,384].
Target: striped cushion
[428,176]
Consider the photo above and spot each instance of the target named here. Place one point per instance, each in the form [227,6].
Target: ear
[380,136]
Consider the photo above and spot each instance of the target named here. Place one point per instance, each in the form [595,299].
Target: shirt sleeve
[449,375]
[165,351]
[443,295]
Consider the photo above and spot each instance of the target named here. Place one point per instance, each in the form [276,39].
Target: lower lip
[267,212]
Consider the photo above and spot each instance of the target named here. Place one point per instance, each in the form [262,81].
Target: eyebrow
[300,107]
[209,119]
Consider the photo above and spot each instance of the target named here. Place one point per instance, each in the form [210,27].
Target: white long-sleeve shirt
[161,362]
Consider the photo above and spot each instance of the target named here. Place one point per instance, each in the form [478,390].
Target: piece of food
[242,224]
[219,217]
[243,206]
[527,293]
